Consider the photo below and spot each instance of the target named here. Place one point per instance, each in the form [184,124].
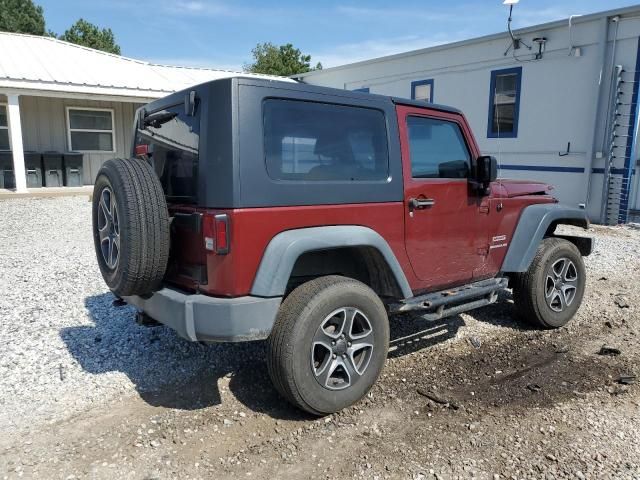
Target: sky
[221,33]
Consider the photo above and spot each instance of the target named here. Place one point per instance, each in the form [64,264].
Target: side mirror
[485,171]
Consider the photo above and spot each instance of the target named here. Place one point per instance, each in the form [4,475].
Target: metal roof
[632,10]
[36,63]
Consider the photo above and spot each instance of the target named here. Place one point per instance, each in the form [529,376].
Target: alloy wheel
[342,348]
[109,228]
[561,284]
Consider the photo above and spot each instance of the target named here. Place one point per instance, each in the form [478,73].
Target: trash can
[7,178]
[72,163]
[52,169]
[33,169]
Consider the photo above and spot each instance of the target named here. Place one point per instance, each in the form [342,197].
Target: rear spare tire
[130,227]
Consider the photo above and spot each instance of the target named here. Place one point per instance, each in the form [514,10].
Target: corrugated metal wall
[44,128]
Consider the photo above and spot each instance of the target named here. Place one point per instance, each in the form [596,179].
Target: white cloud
[194,7]
[526,17]
[355,52]
[385,14]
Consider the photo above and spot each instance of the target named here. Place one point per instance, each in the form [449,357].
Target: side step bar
[453,301]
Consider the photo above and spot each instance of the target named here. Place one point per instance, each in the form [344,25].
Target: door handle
[421,203]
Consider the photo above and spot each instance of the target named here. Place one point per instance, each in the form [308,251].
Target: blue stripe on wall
[541,168]
[628,167]
[614,171]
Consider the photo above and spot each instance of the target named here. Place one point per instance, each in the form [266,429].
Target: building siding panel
[44,128]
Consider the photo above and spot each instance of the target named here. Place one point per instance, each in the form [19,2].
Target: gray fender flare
[533,224]
[284,249]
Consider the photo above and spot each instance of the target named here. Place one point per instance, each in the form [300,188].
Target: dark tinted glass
[92,141]
[310,141]
[90,119]
[174,152]
[503,118]
[504,103]
[4,139]
[437,149]
[3,116]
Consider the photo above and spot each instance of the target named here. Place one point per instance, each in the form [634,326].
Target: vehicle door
[445,236]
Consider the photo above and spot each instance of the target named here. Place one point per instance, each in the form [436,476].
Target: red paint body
[463,237]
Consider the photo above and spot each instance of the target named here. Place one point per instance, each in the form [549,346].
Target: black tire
[137,226]
[291,353]
[543,298]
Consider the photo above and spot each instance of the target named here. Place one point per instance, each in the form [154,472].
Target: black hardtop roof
[349,93]
[305,87]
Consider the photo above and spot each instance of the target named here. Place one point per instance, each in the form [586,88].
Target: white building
[564,112]
[60,97]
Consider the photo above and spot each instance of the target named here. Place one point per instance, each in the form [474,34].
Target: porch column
[15,135]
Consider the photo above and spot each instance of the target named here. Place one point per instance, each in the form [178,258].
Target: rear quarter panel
[253,228]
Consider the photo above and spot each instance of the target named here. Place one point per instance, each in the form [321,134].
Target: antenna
[515,41]
[496,112]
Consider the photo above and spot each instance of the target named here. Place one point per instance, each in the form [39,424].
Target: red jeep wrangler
[255,209]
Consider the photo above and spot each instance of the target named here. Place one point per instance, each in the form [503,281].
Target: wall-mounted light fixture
[541,41]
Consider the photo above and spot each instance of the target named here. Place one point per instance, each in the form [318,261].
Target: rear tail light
[216,233]
[142,150]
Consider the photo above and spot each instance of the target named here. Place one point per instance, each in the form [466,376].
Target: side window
[173,139]
[437,149]
[309,141]
[504,103]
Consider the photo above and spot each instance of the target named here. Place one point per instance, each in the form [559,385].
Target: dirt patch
[511,402]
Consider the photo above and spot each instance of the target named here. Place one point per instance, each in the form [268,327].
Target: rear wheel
[130,227]
[549,293]
[328,344]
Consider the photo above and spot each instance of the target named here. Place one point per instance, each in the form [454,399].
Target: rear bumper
[201,318]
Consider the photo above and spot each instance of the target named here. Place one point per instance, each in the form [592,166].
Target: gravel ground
[62,340]
[85,392]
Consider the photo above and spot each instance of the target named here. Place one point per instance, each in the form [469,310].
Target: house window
[422,90]
[504,103]
[90,129]
[4,129]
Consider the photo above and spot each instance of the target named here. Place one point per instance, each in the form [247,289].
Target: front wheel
[328,345]
[549,293]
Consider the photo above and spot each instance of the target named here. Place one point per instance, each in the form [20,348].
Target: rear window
[308,141]
[173,145]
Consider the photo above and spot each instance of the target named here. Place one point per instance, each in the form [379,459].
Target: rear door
[445,237]
[171,139]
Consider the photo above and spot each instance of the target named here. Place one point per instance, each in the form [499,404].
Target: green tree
[284,60]
[90,35]
[21,16]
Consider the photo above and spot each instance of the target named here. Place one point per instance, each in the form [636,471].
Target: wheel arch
[538,222]
[314,250]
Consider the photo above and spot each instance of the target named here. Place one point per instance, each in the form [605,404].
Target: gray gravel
[65,349]
[64,346]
